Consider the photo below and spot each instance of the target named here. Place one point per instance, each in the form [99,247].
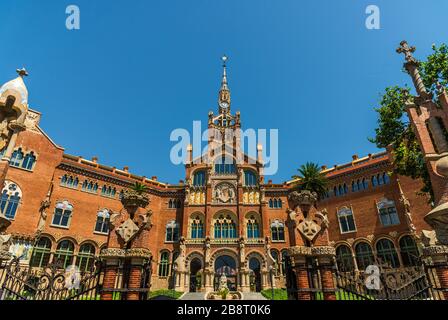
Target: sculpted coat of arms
[224,193]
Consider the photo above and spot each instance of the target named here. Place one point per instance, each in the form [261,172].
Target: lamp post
[271,274]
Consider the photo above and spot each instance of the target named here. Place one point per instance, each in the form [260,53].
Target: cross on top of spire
[407,50]
[224,60]
[22,72]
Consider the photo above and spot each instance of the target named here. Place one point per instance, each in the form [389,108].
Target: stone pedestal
[439,256]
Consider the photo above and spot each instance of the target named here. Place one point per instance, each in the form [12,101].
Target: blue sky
[136,70]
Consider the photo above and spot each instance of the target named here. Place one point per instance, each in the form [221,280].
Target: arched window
[64,252]
[284,260]
[29,161]
[197,228]
[374,181]
[365,184]
[108,191]
[278,231]
[346,220]
[344,258]
[172,231]
[340,190]
[199,178]
[85,259]
[225,227]
[345,188]
[102,221]
[41,253]
[386,252]
[354,186]
[409,252]
[275,256]
[359,185]
[10,199]
[388,212]
[164,264]
[174,204]
[250,179]
[275,203]
[62,214]
[386,178]
[69,181]
[253,228]
[225,165]
[364,255]
[16,158]
[380,179]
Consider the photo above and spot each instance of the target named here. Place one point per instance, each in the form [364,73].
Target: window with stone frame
[344,258]
[385,251]
[364,255]
[174,204]
[164,264]
[277,231]
[346,220]
[102,221]
[62,214]
[86,257]
[108,191]
[252,227]
[197,228]
[409,251]
[41,253]
[172,231]
[224,227]
[387,212]
[10,199]
[69,181]
[64,253]
[275,203]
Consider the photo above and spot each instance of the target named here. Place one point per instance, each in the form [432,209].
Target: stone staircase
[201,296]
[193,296]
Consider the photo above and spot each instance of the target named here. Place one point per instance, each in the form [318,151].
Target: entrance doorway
[255,275]
[226,265]
[195,276]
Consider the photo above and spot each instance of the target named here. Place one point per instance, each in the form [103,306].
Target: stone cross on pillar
[411,66]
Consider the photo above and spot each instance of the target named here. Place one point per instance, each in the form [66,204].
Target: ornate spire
[224,92]
[411,65]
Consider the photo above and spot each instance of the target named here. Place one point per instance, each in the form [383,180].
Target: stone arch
[257,255]
[193,255]
[92,242]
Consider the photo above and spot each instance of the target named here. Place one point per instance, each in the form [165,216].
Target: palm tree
[311,178]
[139,187]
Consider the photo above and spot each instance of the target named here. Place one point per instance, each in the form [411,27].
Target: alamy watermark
[261,144]
[73,20]
[373,18]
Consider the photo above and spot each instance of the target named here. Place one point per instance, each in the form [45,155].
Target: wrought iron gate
[418,282]
[53,282]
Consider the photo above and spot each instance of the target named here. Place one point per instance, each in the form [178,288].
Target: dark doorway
[226,265]
[195,278]
[255,275]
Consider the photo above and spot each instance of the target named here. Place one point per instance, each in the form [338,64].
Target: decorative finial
[22,72]
[407,50]
[224,60]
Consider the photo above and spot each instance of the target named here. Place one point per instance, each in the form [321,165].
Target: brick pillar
[110,278]
[302,278]
[136,260]
[135,279]
[325,257]
[439,255]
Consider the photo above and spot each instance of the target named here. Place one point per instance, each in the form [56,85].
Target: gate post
[325,257]
[111,258]
[136,288]
[303,283]
[439,256]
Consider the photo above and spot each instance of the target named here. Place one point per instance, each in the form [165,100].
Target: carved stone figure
[223,282]
[224,193]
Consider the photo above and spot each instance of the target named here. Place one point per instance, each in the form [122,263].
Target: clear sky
[136,70]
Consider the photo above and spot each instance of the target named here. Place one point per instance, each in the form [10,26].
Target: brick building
[224,217]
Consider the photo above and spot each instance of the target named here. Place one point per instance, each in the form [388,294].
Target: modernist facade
[224,216]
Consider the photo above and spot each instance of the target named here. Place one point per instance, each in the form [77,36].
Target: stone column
[439,256]
[111,258]
[325,257]
[208,276]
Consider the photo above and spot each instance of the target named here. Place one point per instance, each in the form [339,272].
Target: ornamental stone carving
[224,193]
[309,229]
[138,253]
[323,250]
[127,230]
[305,199]
[113,253]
